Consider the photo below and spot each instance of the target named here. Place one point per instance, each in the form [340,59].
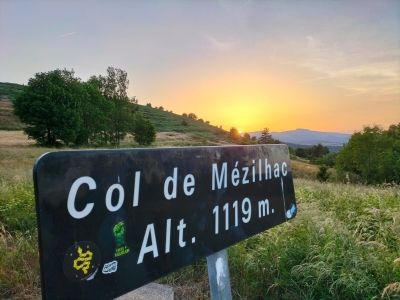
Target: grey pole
[218,276]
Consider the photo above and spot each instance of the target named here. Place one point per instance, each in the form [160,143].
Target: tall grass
[343,244]
[19,265]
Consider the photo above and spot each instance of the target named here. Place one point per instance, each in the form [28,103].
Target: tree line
[371,156]
[245,139]
[312,153]
[60,109]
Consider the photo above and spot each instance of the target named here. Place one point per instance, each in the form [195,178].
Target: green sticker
[119,236]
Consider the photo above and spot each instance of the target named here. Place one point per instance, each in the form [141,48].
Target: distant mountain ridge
[308,137]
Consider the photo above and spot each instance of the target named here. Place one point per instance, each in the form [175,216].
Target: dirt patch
[12,138]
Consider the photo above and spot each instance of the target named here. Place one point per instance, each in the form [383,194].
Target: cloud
[67,34]
[312,42]
[357,71]
[218,44]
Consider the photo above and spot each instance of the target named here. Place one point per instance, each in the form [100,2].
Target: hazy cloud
[67,34]
[219,44]
[359,72]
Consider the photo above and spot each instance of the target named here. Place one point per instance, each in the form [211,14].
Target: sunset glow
[323,65]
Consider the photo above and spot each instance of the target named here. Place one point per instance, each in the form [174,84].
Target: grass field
[344,243]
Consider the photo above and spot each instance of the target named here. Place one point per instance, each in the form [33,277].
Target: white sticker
[110,267]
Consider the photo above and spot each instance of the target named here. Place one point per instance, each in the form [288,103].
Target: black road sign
[111,221]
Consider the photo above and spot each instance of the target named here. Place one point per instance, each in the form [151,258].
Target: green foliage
[164,121]
[328,159]
[19,266]
[323,173]
[48,107]
[60,109]
[234,135]
[17,206]
[372,155]
[184,122]
[192,116]
[144,131]
[322,253]
[266,137]
[314,153]
[114,88]
[246,139]
[10,90]
[342,245]
[94,112]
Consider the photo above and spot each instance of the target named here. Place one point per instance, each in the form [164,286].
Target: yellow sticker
[81,261]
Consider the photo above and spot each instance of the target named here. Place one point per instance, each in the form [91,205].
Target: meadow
[343,244]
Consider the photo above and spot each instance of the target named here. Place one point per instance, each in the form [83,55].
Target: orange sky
[322,65]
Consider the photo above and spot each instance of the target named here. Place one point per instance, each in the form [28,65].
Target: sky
[321,65]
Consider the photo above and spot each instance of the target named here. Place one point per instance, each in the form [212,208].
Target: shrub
[144,131]
[323,173]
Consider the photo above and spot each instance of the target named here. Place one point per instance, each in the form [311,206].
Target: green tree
[144,131]
[301,152]
[95,113]
[323,173]
[246,139]
[318,151]
[372,154]
[266,137]
[49,106]
[114,88]
[192,116]
[234,135]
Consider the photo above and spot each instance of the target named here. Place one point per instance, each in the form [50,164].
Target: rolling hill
[10,90]
[162,120]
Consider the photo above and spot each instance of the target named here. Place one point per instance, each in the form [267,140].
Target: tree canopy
[50,107]
[373,155]
[59,108]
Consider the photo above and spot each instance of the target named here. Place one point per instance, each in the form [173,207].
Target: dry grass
[14,138]
[16,163]
[19,271]
[8,120]
[303,169]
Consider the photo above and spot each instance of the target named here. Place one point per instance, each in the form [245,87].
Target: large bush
[372,155]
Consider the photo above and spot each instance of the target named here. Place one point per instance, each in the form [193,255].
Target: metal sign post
[218,276]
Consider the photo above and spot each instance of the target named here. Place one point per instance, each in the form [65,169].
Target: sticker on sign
[138,214]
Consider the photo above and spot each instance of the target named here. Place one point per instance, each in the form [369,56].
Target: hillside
[10,90]
[163,121]
[8,120]
[8,93]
